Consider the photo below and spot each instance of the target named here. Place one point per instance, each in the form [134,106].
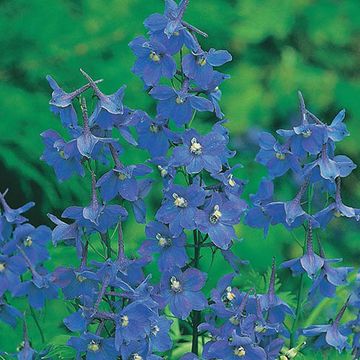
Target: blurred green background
[278,46]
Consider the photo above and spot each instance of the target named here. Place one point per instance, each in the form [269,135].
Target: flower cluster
[118,310]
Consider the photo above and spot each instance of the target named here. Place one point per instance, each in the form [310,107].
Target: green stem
[297,313]
[33,314]
[196,316]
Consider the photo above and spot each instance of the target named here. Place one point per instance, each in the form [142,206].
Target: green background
[278,47]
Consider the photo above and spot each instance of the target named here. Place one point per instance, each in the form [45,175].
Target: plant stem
[297,313]
[33,314]
[196,316]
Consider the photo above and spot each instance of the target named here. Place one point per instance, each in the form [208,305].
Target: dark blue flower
[11,267]
[179,105]
[182,291]
[200,152]
[94,347]
[218,219]
[152,62]
[199,66]
[63,156]
[122,181]
[171,248]
[180,206]
[276,157]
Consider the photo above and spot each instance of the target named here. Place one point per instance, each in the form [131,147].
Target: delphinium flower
[14,216]
[8,313]
[329,334]
[180,206]
[179,105]
[171,249]
[218,219]
[153,61]
[309,262]
[63,156]
[182,291]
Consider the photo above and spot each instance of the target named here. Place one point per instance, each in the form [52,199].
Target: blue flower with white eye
[179,105]
[200,152]
[199,66]
[153,61]
[180,206]
[218,219]
[171,249]
[11,267]
[63,156]
[182,291]
[330,334]
[276,157]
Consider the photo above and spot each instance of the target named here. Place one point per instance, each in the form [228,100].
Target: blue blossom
[33,241]
[232,186]
[310,262]
[94,347]
[200,152]
[180,207]
[170,29]
[132,323]
[337,130]
[152,62]
[11,267]
[171,248]
[122,181]
[160,339]
[198,66]
[8,313]
[182,291]
[179,105]
[153,135]
[14,215]
[63,156]
[329,334]
[218,219]
[276,157]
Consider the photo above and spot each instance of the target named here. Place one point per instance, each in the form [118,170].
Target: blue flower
[276,157]
[182,291]
[179,105]
[218,219]
[169,29]
[270,302]
[33,241]
[152,62]
[329,334]
[153,135]
[199,66]
[159,338]
[309,262]
[8,313]
[180,206]
[61,102]
[132,323]
[11,267]
[337,131]
[94,347]
[122,181]
[200,152]
[171,248]
[14,215]
[63,156]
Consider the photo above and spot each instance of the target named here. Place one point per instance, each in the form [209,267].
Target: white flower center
[28,241]
[180,201]
[124,320]
[216,215]
[162,240]
[231,180]
[93,346]
[195,147]
[154,56]
[175,284]
[280,156]
[2,267]
[239,351]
